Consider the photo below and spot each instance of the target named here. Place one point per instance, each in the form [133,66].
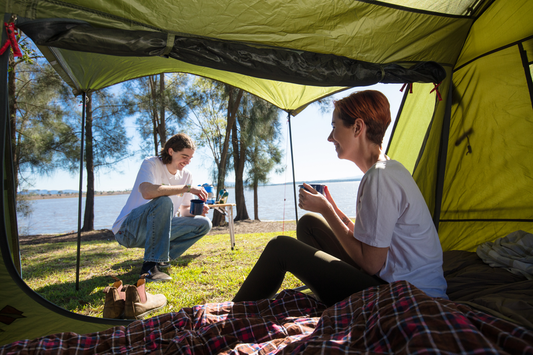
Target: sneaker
[139,303]
[163,264]
[154,275]
[114,300]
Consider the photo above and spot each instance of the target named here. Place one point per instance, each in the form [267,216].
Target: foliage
[159,102]
[46,124]
[208,106]
[256,139]
[39,132]
[208,272]
[107,112]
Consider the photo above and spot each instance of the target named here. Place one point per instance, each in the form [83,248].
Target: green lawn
[208,272]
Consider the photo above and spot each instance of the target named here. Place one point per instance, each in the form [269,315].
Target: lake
[276,203]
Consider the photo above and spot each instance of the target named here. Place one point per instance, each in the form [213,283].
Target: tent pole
[443,153]
[80,193]
[6,155]
[292,162]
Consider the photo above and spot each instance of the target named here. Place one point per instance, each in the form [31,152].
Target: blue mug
[197,207]
[318,187]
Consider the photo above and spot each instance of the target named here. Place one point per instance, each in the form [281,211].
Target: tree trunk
[162,124]
[88,219]
[238,164]
[256,201]
[155,126]
[233,106]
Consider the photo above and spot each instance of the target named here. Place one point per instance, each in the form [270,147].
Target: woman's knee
[281,242]
[307,223]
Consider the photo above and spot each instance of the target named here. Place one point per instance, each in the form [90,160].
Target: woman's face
[341,136]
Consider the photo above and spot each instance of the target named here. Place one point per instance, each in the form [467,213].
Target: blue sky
[314,156]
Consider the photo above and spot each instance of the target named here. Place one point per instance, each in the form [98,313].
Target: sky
[314,157]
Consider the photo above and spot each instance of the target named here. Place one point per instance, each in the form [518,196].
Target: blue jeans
[163,237]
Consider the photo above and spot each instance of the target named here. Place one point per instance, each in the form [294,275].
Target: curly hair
[177,142]
[369,105]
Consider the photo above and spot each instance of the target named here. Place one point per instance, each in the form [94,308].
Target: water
[276,203]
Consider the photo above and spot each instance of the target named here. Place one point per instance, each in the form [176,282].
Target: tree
[39,133]
[106,142]
[263,156]
[160,102]
[213,114]
[46,125]
[253,141]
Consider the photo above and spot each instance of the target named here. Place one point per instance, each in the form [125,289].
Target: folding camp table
[227,209]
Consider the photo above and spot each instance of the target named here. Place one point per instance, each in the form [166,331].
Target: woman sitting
[393,237]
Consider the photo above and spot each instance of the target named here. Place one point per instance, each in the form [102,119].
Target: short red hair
[369,105]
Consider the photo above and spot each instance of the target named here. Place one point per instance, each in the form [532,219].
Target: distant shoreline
[71,195]
[44,196]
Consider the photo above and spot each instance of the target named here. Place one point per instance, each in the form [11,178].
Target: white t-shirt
[155,172]
[391,212]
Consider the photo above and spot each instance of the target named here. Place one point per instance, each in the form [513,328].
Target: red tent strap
[436,89]
[11,40]
[409,87]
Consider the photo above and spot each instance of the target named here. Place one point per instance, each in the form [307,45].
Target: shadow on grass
[136,264]
[90,294]
[66,296]
[61,262]
[184,260]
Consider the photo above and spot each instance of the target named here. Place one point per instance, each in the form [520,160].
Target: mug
[318,187]
[197,207]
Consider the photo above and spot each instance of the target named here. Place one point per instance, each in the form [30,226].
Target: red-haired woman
[393,237]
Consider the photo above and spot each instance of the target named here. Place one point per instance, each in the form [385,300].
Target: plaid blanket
[393,319]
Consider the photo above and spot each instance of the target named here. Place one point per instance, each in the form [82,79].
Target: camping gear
[210,194]
[463,129]
[222,196]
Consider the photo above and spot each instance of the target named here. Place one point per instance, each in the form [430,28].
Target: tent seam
[516,43]
[527,72]
[412,10]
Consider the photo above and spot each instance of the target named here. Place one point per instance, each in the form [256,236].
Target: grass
[208,272]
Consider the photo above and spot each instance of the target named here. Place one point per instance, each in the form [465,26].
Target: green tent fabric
[470,153]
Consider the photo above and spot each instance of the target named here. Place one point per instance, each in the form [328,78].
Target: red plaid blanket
[394,319]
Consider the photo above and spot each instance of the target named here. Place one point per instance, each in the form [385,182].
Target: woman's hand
[329,197]
[311,200]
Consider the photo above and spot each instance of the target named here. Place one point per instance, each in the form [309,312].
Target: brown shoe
[139,302]
[114,300]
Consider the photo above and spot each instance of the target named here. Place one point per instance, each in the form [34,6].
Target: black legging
[330,278]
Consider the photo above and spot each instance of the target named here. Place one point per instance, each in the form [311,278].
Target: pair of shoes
[115,299]
[163,264]
[131,301]
[154,275]
[139,302]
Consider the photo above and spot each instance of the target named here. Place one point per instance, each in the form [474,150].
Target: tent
[463,129]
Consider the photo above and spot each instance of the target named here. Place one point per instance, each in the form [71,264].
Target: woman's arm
[150,191]
[370,259]
[347,221]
